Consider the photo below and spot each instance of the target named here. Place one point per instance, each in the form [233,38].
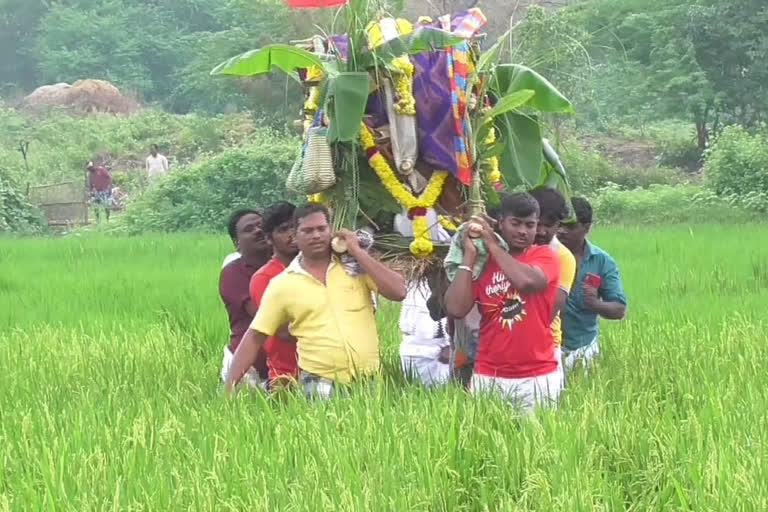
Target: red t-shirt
[233,288]
[515,330]
[281,354]
[100,179]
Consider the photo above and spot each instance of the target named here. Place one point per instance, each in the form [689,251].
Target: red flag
[304,4]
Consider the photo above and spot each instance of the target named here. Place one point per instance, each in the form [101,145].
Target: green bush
[664,204]
[60,144]
[201,196]
[589,170]
[17,215]
[737,163]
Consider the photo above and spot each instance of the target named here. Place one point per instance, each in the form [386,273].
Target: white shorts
[560,368]
[251,377]
[430,371]
[586,354]
[526,393]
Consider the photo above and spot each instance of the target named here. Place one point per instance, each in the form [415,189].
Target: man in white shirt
[157,164]
[424,351]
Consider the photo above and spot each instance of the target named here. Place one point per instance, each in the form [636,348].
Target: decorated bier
[408,127]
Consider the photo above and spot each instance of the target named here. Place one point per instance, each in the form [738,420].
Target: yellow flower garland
[447,223]
[494,174]
[422,243]
[403,83]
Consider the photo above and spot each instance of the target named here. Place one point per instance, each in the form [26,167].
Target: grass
[109,358]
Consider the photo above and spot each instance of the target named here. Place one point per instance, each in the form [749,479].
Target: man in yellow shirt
[554,210]
[328,311]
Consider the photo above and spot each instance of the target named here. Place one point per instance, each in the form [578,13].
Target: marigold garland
[403,83]
[494,175]
[447,223]
[416,206]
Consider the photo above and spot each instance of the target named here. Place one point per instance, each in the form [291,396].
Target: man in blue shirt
[596,292]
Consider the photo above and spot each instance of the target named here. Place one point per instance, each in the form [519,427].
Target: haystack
[85,96]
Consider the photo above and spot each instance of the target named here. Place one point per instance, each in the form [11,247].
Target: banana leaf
[264,60]
[553,175]
[508,78]
[420,40]
[521,160]
[346,99]
[508,103]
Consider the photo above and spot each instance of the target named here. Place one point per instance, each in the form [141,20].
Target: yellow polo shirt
[567,275]
[333,323]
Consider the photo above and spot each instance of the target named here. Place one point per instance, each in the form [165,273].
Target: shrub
[664,204]
[17,215]
[201,196]
[737,163]
[589,170]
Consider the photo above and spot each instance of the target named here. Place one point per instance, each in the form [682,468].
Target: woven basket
[313,170]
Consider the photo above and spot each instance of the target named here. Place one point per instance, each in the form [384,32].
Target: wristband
[465,267]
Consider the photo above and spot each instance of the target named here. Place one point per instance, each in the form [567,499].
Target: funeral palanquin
[416,112]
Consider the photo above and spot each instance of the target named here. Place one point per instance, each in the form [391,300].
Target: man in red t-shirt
[515,294]
[100,189]
[278,226]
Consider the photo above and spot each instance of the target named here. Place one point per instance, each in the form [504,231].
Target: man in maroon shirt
[280,348]
[99,189]
[254,251]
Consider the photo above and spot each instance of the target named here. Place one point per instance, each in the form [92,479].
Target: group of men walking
[518,307]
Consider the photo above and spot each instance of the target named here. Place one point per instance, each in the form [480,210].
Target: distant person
[245,230]
[553,210]
[281,348]
[597,290]
[515,294]
[100,190]
[425,347]
[330,312]
[157,165]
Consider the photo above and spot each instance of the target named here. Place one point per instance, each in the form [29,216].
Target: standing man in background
[157,165]
[99,189]
[245,230]
[597,290]
[554,210]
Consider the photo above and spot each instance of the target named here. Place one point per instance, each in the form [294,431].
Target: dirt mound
[633,153]
[85,96]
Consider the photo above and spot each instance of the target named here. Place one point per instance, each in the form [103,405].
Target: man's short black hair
[519,204]
[582,209]
[235,218]
[277,214]
[308,209]
[153,146]
[552,204]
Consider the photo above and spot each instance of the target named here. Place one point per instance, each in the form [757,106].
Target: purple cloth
[434,111]
[342,45]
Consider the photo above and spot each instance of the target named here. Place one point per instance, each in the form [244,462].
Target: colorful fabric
[434,113]
[467,23]
[580,324]
[458,60]
[281,354]
[515,328]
